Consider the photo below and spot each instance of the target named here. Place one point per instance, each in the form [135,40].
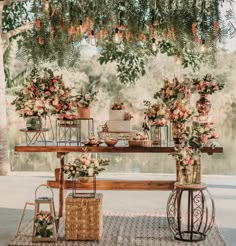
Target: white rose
[90,172]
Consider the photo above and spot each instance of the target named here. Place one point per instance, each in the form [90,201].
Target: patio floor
[18,188]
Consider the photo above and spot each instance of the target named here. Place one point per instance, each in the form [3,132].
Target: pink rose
[52,89]
[32,88]
[58,106]
[47,93]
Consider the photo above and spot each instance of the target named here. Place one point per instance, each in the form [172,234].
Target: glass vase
[155,135]
[185,175]
[34,123]
[197,169]
[80,183]
[203,105]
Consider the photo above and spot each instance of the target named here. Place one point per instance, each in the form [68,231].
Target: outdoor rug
[128,229]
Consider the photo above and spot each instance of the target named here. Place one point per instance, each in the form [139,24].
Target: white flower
[90,172]
[96,163]
[49,227]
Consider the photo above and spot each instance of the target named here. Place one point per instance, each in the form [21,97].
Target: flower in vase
[85,166]
[207,85]
[155,114]
[41,95]
[43,222]
[180,113]
[184,155]
[173,90]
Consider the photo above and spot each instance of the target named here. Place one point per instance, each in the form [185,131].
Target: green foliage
[57,36]
[130,62]
[15,15]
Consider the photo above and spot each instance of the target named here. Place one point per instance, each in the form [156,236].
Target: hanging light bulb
[92,39]
[203,46]
[154,45]
[116,38]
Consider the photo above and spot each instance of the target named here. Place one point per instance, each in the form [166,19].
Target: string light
[203,46]
[116,38]
[92,39]
[154,46]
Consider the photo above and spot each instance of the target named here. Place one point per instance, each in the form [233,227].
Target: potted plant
[83,101]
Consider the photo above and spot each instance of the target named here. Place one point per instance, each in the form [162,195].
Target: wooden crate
[83,218]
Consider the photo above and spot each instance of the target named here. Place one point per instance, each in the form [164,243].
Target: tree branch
[8,2]
[18,30]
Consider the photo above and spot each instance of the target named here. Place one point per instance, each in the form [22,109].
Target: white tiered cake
[116,122]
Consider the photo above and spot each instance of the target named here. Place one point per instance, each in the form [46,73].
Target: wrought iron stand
[191,221]
[69,131]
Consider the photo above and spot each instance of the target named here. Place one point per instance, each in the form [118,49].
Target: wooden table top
[114,149]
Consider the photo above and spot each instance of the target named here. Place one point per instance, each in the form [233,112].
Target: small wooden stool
[190,212]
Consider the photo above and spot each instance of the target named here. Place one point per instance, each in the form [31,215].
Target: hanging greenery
[126,31]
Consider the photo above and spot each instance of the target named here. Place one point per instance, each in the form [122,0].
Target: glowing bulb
[93,41]
[178,61]
[116,38]
[203,46]
[154,46]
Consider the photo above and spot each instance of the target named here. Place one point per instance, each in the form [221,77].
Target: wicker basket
[83,218]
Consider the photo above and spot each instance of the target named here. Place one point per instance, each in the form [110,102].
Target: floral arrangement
[44,224]
[127,116]
[180,113]
[43,95]
[197,136]
[84,166]
[207,85]
[184,155]
[68,116]
[85,99]
[155,114]
[174,90]
[117,106]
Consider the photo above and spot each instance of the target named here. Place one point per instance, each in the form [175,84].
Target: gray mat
[128,229]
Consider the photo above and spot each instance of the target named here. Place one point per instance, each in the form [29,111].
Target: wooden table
[61,151]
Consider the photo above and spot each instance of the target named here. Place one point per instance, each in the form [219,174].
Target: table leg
[177,171]
[61,156]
